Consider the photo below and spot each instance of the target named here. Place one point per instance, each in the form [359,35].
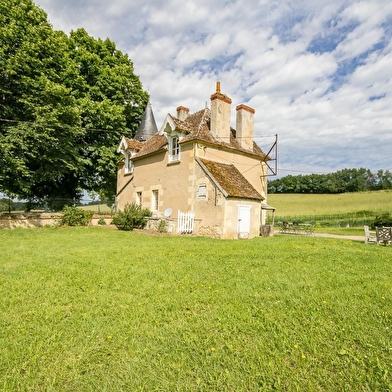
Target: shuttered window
[202,191]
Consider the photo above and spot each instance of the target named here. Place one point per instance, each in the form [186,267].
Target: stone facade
[197,163]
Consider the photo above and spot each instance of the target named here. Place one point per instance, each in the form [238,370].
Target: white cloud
[358,42]
[317,73]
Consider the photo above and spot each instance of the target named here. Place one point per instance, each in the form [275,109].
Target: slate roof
[148,126]
[196,127]
[229,178]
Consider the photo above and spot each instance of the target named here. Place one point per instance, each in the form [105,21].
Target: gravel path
[342,237]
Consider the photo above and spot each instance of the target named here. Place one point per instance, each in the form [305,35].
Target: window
[174,149]
[202,191]
[155,201]
[128,163]
[139,198]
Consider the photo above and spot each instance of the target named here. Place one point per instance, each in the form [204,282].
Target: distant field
[298,204]
[100,208]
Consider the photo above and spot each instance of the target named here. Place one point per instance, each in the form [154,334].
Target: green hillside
[311,204]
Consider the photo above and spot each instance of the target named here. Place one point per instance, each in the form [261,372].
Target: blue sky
[318,73]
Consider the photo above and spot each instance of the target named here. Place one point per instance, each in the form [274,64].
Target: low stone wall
[42,219]
[155,224]
[28,219]
[214,231]
[98,219]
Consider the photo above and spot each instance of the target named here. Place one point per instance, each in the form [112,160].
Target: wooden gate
[186,222]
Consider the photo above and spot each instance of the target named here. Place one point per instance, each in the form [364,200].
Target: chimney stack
[245,126]
[182,113]
[220,115]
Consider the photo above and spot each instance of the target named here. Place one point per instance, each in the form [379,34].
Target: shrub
[102,222]
[73,216]
[162,227]
[133,217]
[384,219]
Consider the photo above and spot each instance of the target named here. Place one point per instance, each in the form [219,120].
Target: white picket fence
[186,222]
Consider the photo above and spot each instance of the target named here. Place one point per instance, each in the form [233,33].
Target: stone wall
[41,219]
[28,219]
[154,224]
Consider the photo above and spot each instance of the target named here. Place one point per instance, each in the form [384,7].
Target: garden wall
[41,219]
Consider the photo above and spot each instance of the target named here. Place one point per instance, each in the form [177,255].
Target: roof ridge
[204,119]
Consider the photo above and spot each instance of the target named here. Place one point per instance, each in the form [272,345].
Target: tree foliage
[346,180]
[6,204]
[111,102]
[65,101]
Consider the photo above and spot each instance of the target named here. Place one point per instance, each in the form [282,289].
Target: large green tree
[38,113]
[64,104]
[111,102]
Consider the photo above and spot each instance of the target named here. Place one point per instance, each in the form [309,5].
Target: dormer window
[128,162]
[129,148]
[174,148]
[173,136]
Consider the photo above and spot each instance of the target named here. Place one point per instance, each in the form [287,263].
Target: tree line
[65,102]
[342,181]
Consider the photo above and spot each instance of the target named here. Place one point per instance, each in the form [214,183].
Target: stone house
[197,163]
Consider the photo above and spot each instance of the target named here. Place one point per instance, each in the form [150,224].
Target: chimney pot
[182,113]
[220,115]
[245,126]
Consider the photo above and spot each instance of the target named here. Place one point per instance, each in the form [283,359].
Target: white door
[244,220]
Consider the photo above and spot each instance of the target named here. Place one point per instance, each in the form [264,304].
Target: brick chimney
[220,115]
[245,126]
[182,113]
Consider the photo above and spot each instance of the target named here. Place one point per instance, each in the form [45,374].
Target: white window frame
[174,148]
[139,198]
[155,200]
[129,166]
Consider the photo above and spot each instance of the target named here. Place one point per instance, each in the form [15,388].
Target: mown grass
[95,309]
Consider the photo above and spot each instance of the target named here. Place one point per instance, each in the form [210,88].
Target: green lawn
[96,309]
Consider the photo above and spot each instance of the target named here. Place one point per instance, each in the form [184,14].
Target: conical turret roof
[148,126]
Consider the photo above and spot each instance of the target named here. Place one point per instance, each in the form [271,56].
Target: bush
[162,227]
[133,217]
[73,216]
[384,219]
[101,222]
